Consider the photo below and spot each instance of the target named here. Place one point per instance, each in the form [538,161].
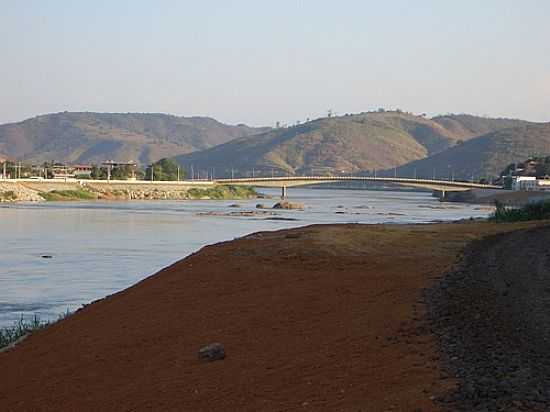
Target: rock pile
[492,320]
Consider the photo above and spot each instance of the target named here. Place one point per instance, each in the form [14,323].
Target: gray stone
[288,205]
[212,352]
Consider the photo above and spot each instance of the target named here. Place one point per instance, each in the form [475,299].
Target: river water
[94,249]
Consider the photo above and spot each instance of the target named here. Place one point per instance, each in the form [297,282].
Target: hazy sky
[261,61]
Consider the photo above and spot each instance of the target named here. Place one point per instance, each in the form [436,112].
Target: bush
[223,192]
[8,195]
[23,327]
[531,211]
[60,195]
[19,329]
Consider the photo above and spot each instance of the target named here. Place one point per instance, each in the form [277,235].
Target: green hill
[94,137]
[345,144]
[484,156]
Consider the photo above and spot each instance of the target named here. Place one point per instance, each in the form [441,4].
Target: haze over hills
[94,137]
[484,156]
[349,144]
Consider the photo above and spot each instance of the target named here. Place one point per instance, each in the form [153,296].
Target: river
[55,257]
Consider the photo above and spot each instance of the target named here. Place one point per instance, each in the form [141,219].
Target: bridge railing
[357,178]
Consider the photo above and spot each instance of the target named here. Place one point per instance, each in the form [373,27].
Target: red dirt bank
[317,318]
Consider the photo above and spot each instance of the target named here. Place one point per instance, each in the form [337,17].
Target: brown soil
[318,318]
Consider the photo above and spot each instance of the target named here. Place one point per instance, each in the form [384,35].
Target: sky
[259,62]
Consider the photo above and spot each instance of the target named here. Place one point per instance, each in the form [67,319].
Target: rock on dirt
[212,352]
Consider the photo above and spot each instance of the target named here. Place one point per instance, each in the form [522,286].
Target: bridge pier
[283,193]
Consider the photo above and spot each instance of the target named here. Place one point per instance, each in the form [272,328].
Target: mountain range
[346,144]
[484,156]
[94,137]
[463,146]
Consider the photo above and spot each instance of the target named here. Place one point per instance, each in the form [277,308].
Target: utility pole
[253,173]
[395,172]
[232,173]
[178,173]
[152,172]
[415,173]
[192,173]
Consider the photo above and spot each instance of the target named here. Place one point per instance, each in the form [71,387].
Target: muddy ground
[322,318]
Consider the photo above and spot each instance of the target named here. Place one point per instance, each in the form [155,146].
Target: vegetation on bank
[223,192]
[531,211]
[213,193]
[68,195]
[21,328]
[8,195]
[11,334]
[165,169]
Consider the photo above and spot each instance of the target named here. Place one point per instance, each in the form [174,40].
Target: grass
[64,195]
[531,211]
[22,327]
[223,192]
[19,329]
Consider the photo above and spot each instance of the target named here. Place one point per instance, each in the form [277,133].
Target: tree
[165,169]
[98,172]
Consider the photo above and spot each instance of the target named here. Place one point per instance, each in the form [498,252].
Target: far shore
[74,190]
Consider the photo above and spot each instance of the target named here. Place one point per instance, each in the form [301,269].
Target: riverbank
[490,314]
[51,190]
[490,196]
[317,318]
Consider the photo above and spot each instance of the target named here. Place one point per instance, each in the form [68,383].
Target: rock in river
[288,205]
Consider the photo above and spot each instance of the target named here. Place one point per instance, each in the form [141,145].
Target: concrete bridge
[293,181]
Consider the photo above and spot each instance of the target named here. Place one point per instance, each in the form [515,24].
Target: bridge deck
[289,181]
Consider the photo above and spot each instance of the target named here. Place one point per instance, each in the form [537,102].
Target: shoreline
[29,190]
[321,317]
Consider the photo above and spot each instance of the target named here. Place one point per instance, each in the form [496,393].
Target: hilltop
[94,137]
[345,144]
[486,155]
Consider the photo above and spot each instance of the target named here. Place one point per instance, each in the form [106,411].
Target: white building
[525,183]
[531,183]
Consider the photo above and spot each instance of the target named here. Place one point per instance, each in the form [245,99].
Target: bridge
[293,181]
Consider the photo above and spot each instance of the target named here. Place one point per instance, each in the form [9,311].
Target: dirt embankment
[323,318]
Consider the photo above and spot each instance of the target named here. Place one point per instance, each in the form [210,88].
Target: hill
[486,155]
[346,144]
[94,137]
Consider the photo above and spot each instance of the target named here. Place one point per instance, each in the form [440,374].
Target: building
[60,171]
[530,183]
[543,184]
